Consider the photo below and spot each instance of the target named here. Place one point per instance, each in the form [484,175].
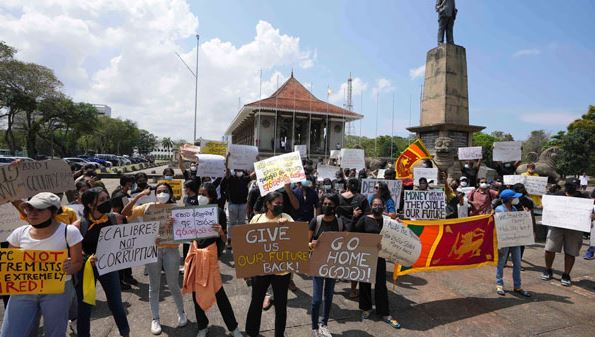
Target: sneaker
[500,290]
[323,331]
[73,328]
[565,280]
[236,333]
[315,333]
[547,275]
[202,333]
[522,292]
[589,255]
[155,327]
[182,320]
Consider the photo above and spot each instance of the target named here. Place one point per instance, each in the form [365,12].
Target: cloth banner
[273,173]
[242,157]
[412,154]
[32,271]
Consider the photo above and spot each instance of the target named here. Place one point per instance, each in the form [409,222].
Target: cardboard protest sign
[327,171]
[189,151]
[345,256]
[567,212]
[273,173]
[32,271]
[536,185]
[380,174]
[302,149]
[425,205]
[507,151]
[430,173]
[270,248]
[161,214]
[210,165]
[513,179]
[353,159]
[514,229]
[470,153]
[394,186]
[213,147]
[399,243]
[176,185]
[195,222]
[242,157]
[126,245]
[28,178]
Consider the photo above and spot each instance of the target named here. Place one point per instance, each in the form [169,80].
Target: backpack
[319,224]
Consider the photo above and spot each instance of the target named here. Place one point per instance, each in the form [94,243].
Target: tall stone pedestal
[445,103]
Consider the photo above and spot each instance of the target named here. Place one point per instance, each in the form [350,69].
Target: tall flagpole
[377,109]
[196,87]
[392,129]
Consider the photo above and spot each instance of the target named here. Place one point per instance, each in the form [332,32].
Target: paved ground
[449,303]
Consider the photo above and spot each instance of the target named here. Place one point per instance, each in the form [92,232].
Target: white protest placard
[399,243]
[210,165]
[380,174]
[394,186]
[507,151]
[126,245]
[430,173]
[514,229]
[353,158]
[242,157]
[195,222]
[470,153]
[592,243]
[273,173]
[536,185]
[425,205]
[335,154]
[513,179]
[567,212]
[327,171]
[302,149]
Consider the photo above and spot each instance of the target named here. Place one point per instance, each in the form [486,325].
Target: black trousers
[260,285]
[125,274]
[380,291]
[224,307]
[446,25]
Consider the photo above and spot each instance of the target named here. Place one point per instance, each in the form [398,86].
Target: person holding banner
[509,200]
[44,232]
[373,223]
[96,215]
[531,173]
[202,276]
[168,258]
[273,203]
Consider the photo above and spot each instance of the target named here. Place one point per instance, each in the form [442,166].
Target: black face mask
[142,185]
[277,210]
[105,207]
[44,224]
[328,210]
[377,210]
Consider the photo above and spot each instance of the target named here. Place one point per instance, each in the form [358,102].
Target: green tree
[577,146]
[534,145]
[146,142]
[167,143]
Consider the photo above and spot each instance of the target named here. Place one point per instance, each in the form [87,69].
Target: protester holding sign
[470,170]
[373,223]
[381,191]
[325,222]
[481,198]
[509,199]
[531,173]
[236,189]
[202,276]
[168,258]
[97,215]
[45,233]
[273,204]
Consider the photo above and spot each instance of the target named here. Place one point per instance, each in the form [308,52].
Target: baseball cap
[463,178]
[44,200]
[509,194]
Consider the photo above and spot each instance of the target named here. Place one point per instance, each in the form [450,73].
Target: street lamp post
[195,74]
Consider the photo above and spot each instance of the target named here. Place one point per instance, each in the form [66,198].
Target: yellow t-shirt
[536,198]
[261,218]
[139,212]
[68,216]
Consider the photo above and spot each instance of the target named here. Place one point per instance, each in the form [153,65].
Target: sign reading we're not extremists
[31,271]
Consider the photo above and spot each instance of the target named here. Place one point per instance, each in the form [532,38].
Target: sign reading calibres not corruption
[126,245]
[31,177]
[32,271]
[273,173]
[425,205]
[270,248]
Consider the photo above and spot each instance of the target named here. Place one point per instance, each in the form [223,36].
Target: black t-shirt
[347,205]
[191,201]
[204,243]
[332,226]
[367,224]
[506,168]
[471,174]
[236,188]
[92,237]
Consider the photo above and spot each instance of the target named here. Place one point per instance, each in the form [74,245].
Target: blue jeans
[110,283]
[169,259]
[237,216]
[515,253]
[21,316]
[321,284]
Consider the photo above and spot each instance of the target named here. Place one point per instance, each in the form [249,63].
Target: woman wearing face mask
[168,258]
[510,201]
[44,232]
[274,213]
[381,191]
[206,287]
[326,222]
[168,173]
[373,223]
[97,214]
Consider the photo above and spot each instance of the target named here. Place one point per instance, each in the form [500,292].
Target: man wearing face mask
[235,187]
[339,182]
[308,201]
[481,198]
[142,183]
[470,170]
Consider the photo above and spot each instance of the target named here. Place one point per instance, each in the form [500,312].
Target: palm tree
[167,143]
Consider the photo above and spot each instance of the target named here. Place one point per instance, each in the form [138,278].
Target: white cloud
[527,52]
[121,53]
[339,96]
[382,85]
[559,119]
[417,72]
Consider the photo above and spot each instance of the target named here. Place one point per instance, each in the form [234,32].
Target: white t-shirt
[584,180]
[21,238]
[463,210]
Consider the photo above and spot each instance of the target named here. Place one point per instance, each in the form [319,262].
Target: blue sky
[530,63]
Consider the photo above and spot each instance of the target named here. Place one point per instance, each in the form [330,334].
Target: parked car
[82,162]
[8,160]
[124,160]
[112,158]
[97,160]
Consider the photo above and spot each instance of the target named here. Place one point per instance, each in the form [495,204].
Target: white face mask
[192,168]
[463,183]
[239,174]
[515,201]
[163,197]
[202,200]
[484,185]
[168,177]
[466,165]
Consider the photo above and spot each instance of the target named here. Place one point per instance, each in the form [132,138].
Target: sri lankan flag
[453,244]
[412,154]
